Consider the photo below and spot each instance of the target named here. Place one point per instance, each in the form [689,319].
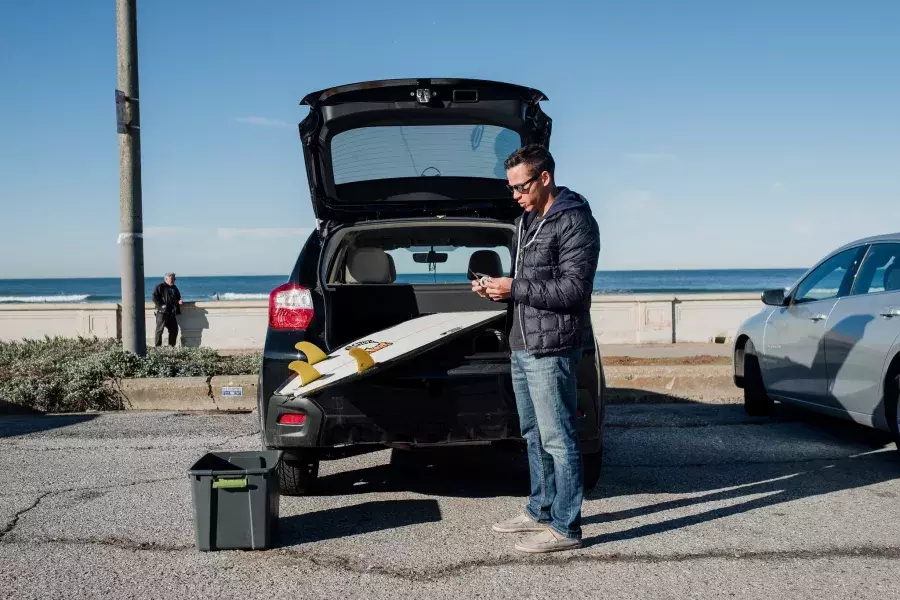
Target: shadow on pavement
[780,483]
[865,463]
[619,396]
[468,472]
[14,425]
[355,520]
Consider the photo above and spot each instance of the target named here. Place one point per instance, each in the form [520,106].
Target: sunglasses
[521,187]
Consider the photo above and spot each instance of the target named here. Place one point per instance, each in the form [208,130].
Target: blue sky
[705,134]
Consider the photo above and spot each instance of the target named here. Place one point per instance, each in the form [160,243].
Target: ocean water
[258,287]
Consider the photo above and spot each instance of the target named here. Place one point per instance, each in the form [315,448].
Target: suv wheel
[757,402]
[297,472]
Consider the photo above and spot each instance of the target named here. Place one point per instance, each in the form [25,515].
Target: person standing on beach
[556,252]
[167,300]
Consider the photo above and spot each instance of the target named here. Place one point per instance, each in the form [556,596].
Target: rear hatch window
[394,152]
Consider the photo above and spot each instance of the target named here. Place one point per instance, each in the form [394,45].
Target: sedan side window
[831,279]
[880,270]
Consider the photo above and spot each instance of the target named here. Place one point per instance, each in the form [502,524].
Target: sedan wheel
[892,404]
[757,402]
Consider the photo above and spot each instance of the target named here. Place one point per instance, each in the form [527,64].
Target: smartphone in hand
[480,277]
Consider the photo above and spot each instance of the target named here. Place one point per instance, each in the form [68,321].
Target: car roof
[886,237]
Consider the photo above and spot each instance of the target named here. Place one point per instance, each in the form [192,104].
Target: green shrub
[78,374]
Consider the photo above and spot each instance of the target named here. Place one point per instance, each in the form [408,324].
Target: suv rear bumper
[337,421]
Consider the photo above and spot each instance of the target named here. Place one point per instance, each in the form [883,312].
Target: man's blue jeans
[547,400]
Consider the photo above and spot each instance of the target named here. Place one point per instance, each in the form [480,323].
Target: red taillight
[580,412]
[290,307]
[291,419]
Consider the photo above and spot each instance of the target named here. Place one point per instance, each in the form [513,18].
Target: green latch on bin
[230,483]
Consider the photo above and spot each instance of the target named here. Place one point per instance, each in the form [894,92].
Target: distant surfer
[167,300]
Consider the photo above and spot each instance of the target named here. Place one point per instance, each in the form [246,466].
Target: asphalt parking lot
[695,501]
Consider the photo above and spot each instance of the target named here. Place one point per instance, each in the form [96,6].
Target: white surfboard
[368,354]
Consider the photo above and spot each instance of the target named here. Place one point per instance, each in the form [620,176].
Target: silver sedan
[831,343]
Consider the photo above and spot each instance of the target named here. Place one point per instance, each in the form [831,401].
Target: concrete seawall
[707,384]
[662,319]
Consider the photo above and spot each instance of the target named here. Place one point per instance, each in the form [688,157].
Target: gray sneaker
[519,524]
[548,541]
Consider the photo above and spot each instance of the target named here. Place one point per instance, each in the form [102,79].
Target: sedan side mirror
[774,297]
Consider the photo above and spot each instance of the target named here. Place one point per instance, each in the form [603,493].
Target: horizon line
[286,276]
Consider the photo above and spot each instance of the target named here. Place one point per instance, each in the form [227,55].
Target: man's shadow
[466,472]
[863,465]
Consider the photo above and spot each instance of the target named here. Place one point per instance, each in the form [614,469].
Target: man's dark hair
[536,156]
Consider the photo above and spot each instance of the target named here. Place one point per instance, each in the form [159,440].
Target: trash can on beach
[236,496]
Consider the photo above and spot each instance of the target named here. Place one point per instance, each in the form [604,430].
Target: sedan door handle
[891,312]
[818,317]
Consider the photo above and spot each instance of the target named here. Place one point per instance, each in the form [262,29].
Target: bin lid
[236,463]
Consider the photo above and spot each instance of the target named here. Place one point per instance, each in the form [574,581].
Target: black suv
[408,176]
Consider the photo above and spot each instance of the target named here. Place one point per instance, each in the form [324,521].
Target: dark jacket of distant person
[166,298]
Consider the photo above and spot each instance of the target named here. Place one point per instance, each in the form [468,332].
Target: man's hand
[181,302]
[498,288]
[478,288]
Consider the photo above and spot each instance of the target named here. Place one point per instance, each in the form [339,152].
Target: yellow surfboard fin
[305,371]
[364,360]
[312,352]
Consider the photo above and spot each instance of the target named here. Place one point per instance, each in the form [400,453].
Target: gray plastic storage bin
[236,499]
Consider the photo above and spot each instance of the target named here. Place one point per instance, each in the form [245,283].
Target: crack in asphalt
[93,487]
[113,542]
[348,565]
[428,576]
[15,520]
[118,485]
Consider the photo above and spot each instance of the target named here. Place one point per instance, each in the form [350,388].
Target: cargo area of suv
[408,188]
[363,294]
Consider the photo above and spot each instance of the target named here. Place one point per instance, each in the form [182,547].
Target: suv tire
[297,473]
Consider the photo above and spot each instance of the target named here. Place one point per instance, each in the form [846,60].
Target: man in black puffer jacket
[556,253]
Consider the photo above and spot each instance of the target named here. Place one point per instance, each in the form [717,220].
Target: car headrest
[486,262]
[369,265]
[892,278]
[393,268]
